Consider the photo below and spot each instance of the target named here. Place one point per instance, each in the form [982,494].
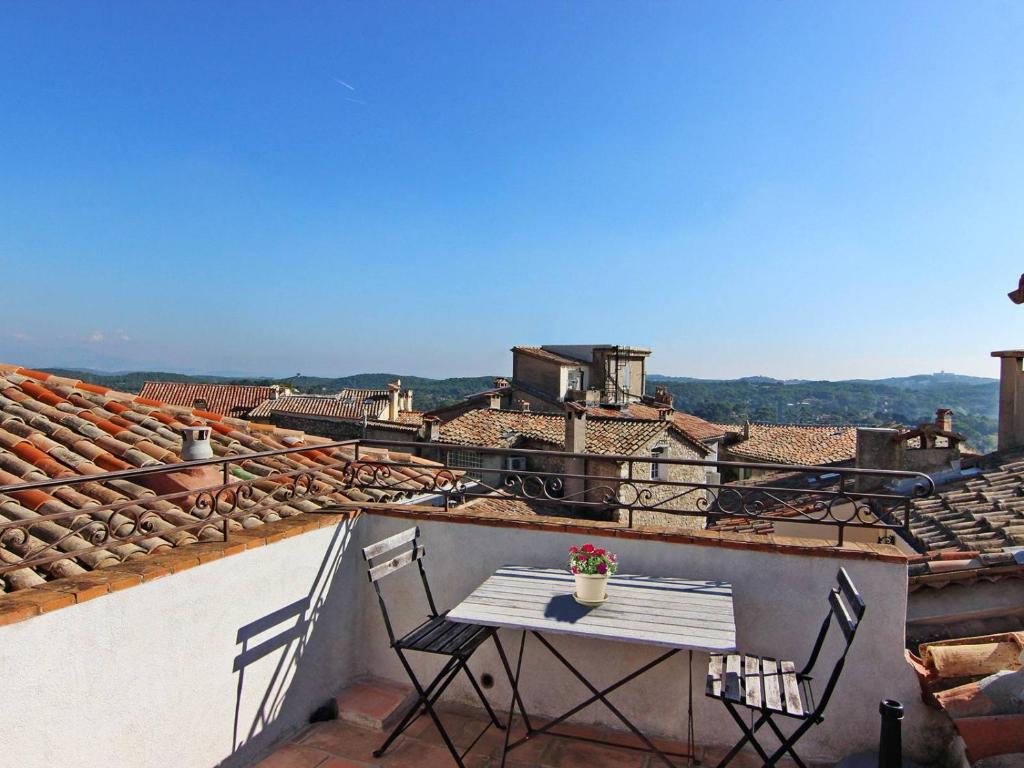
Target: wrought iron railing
[68,524]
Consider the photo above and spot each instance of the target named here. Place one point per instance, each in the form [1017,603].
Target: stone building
[385,414]
[598,479]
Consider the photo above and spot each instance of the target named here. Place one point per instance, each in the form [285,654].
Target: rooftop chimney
[524,406]
[663,413]
[431,428]
[494,401]
[575,442]
[195,443]
[1011,398]
[662,395]
[394,392]
[408,400]
[944,419]
[500,383]
[593,398]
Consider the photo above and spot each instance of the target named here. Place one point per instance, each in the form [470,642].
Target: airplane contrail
[342,82]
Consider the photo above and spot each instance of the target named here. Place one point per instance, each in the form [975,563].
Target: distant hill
[905,400]
[427,393]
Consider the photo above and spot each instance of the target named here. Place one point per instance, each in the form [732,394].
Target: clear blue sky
[818,190]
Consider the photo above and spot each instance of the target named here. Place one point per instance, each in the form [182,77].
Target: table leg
[515,698]
[690,739]
[601,695]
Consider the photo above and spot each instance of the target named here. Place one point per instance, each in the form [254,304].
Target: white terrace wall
[780,602]
[206,667]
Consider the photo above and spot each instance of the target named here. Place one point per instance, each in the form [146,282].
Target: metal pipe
[890,737]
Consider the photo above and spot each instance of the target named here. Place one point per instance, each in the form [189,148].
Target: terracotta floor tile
[564,753]
[415,754]
[374,703]
[294,756]
[344,762]
[344,740]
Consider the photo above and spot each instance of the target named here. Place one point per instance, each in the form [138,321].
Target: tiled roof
[984,513]
[809,444]
[692,426]
[551,357]
[411,418]
[494,428]
[53,427]
[347,404]
[227,399]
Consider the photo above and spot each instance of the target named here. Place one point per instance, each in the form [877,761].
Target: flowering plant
[592,560]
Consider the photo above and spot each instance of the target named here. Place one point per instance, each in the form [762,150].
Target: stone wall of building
[546,376]
[668,497]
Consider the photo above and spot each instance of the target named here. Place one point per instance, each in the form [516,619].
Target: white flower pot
[591,588]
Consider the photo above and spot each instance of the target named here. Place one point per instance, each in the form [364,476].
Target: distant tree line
[902,401]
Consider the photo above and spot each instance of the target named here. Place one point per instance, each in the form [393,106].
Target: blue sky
[815,190]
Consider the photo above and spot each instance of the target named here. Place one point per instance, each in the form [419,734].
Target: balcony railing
[59,521]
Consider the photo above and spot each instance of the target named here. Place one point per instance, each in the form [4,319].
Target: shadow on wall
[301,679]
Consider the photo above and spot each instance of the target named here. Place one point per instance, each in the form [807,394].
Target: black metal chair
[436,635]
[776,688]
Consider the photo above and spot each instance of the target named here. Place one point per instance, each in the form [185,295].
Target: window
[467,460]
[516,463]
[575,379]
[627,375]
[659,471]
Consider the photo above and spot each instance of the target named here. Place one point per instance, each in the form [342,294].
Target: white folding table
[677,614]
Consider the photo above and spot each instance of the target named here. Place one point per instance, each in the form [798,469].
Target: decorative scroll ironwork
[48,538]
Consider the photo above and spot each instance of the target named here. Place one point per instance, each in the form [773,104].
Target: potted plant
[591,566]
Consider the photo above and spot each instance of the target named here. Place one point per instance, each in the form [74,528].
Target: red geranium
[591,560]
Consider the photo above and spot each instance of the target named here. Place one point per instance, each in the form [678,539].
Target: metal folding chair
[436,635]
[775,688]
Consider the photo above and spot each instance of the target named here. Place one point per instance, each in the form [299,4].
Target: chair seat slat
[790,690]
[752,681]
[464,635]
[772,694]
[732,688]
[421,631]
[714,683]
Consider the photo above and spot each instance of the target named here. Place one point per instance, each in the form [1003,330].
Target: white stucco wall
[780,601]
[205,667]
[213,665]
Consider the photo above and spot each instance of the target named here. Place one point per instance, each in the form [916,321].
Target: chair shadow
[294,624]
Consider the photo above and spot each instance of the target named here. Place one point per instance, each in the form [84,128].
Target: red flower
[588,548]
[573,550]
[599,552]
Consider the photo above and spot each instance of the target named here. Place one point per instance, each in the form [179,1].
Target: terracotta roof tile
[815,445]
[693,427]
[984,512]
[494,428]
[91,430]
[228,399]
[347,404]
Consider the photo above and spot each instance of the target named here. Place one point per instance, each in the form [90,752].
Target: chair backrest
[390,555]
[846,609]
